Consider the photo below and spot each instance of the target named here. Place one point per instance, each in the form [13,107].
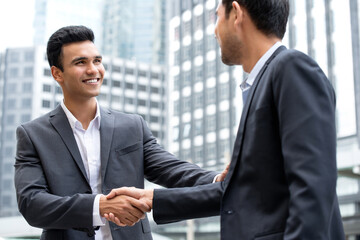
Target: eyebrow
[84,58]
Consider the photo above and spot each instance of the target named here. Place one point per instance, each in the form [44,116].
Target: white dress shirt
[258,66]
[88,142]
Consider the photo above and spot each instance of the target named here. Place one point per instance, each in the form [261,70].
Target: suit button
[229,212]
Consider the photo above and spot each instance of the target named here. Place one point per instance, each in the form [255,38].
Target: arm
[306,112]
[165,169]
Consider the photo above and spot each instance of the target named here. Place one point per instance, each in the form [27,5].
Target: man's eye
[80,62]
[97,60]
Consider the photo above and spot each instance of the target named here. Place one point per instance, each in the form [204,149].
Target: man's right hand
[127,209]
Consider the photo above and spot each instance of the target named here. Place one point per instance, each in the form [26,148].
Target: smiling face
[83,71]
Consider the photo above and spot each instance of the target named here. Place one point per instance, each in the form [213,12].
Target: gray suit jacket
[282,179]
[52,187]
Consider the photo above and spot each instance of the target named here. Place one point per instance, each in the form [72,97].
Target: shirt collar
[74,123]
[258,66]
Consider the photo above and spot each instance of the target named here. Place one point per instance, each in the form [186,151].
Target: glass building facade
[135,29]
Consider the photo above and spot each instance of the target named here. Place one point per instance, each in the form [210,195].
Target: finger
[119,223]
[140,205]
[112,194]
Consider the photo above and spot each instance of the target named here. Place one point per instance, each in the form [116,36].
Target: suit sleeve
[305,104]
[38,206]
[163,168]
[170,205]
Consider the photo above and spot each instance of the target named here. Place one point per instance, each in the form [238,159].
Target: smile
[95,80]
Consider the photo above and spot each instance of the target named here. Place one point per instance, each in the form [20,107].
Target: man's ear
[57,74]
[239,12]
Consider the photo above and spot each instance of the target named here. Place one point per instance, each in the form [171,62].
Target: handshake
[126,206]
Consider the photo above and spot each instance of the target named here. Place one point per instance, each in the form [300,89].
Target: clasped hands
[127,205]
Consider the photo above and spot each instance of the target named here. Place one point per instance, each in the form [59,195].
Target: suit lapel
[60,122]
[106,135]
[239,137]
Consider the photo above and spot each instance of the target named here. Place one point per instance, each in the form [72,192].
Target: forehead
[79,49]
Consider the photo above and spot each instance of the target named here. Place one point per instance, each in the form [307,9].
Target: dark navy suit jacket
[282,179]
[52,187]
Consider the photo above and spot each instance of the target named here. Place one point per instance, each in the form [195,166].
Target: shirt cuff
[97,219]
[214,180]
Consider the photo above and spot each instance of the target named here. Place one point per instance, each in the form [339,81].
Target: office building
[28,91]
[135,29]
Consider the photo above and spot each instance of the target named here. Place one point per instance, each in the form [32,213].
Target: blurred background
[162,62]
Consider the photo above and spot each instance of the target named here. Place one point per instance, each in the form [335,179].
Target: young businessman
[282,178]
[68,158]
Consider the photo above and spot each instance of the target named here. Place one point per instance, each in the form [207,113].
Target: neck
[83,111]
[260,44]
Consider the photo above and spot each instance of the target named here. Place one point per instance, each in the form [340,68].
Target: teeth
[91,81]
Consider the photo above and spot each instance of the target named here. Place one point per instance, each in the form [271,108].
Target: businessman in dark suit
[282,178]
[68,158]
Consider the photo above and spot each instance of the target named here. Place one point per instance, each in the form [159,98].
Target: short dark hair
[63,36]
[269,16]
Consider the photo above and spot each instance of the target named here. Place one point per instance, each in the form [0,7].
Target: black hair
[269,16]
[63,36]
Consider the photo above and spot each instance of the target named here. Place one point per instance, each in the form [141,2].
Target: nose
[92,69]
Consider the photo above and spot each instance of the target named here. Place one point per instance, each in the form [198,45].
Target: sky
[16,23]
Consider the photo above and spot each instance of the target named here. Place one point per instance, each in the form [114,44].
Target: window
[129,71]
[28,72]
[211,123]
[176,108]
[198,74]
[11,88]
[186,130]
[26,103]
[198,22]
[176,33]
[105,82]
[10,119]
[116,83]
[186,53]
[154,119]
[176,58]
[154,104]
[198,47]
[211,95]
[141,102]
[129,85]
[211,151]
[129,100]
[142,88]
[29,56]
[9,152]
[13,72]
[224,120]
[186,104]
[187,28]
[186,79]
[198,100]
[176,82]
[46,88]
[142,73]
[198,127]
[27,87]
[25,118]
[47,72]
[211,69]
[58,89]
[155,90]
[155,75]
[224,91]
[11,103]
[10,135]
[46,104]
[211,42]
[14,57]
[116,68]
[198,155]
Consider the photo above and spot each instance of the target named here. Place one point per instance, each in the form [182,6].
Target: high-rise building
[205,106]
[135,29]
[28,91]
[50,15]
